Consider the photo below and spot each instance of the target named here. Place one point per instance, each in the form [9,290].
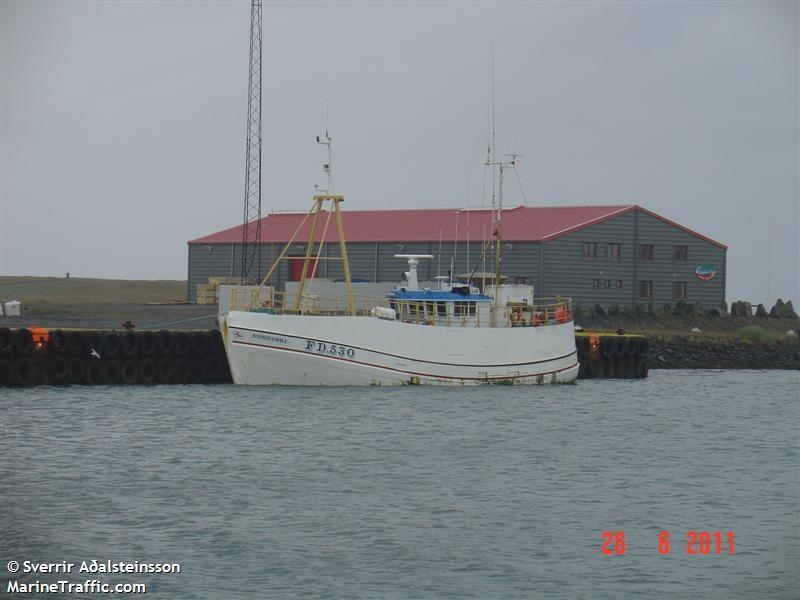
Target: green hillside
[80,290]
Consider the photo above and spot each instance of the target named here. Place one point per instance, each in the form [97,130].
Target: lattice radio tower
[251,229]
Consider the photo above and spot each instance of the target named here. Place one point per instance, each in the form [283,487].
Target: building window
[679,290]
[589,250]
[596,283]
[680,254]
[612,252]
[646,252]
[606,283]
[645,290]
[619,283]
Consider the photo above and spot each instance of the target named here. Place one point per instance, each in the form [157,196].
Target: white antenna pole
[330,149]
[467,182]
[500,194]
[468,263]
[769,271]
[483,270]
[455,244]
[452,266]
[439,261]
[494,170]
[328,166]
[330,161]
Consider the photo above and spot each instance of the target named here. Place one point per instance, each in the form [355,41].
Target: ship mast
[497,213]
[498,169]
[497,189]
[313,256]
[309,261]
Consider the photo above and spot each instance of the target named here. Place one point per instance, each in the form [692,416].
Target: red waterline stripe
[374,366]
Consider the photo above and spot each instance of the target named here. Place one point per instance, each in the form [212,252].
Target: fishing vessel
[453,334]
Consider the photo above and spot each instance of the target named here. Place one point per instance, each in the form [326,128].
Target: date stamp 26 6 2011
[615,543]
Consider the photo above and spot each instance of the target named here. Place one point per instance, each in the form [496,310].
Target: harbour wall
[35,356]
[102,357]
[712,352]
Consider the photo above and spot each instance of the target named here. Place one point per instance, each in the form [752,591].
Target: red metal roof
[520,224]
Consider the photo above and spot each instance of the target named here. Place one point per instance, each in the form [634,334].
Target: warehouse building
[619,254]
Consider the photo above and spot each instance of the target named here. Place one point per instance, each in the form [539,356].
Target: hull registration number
[330,349]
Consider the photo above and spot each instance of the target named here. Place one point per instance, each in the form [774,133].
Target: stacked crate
[208,293]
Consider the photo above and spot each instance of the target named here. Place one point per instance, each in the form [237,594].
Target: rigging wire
[455,244]
[439,264]
[483,189]
[467,178]
[521,190]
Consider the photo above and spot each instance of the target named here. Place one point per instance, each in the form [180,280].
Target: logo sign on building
[705,272]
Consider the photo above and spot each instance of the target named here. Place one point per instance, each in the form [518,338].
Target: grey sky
[123,123]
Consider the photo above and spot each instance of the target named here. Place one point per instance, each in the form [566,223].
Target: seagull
[95,354]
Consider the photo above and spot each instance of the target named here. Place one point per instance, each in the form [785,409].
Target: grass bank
[49,291]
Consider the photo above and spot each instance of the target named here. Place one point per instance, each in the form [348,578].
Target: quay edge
[36,356]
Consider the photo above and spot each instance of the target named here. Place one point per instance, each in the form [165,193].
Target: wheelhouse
[461,305]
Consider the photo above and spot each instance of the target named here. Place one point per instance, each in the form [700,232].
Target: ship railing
[286,303]
[541,313]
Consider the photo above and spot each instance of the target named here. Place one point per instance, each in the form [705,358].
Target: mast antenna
[491,157]
[327,140]
[497,189]
[251,228]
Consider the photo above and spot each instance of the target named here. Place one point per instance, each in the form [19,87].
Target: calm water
[498,492]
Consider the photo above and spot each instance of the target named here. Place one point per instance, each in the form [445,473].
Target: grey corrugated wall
[555,267]
[567,274]
[663,271]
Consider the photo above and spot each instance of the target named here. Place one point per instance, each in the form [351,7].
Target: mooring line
[176,322]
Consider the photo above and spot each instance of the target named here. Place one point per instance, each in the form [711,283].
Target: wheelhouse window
[679,290]
[589,250]
[523,280]
[612,252]
[645,289]
[596,283]
[441,309]
[646,252]
[606,283]
[619,283]
[680,254]
[472,309]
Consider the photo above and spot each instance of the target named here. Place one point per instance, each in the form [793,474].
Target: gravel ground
[111,316]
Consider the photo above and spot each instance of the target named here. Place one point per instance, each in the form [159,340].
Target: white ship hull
[267,349]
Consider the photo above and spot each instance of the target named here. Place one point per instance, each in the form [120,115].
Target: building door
[296,268]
